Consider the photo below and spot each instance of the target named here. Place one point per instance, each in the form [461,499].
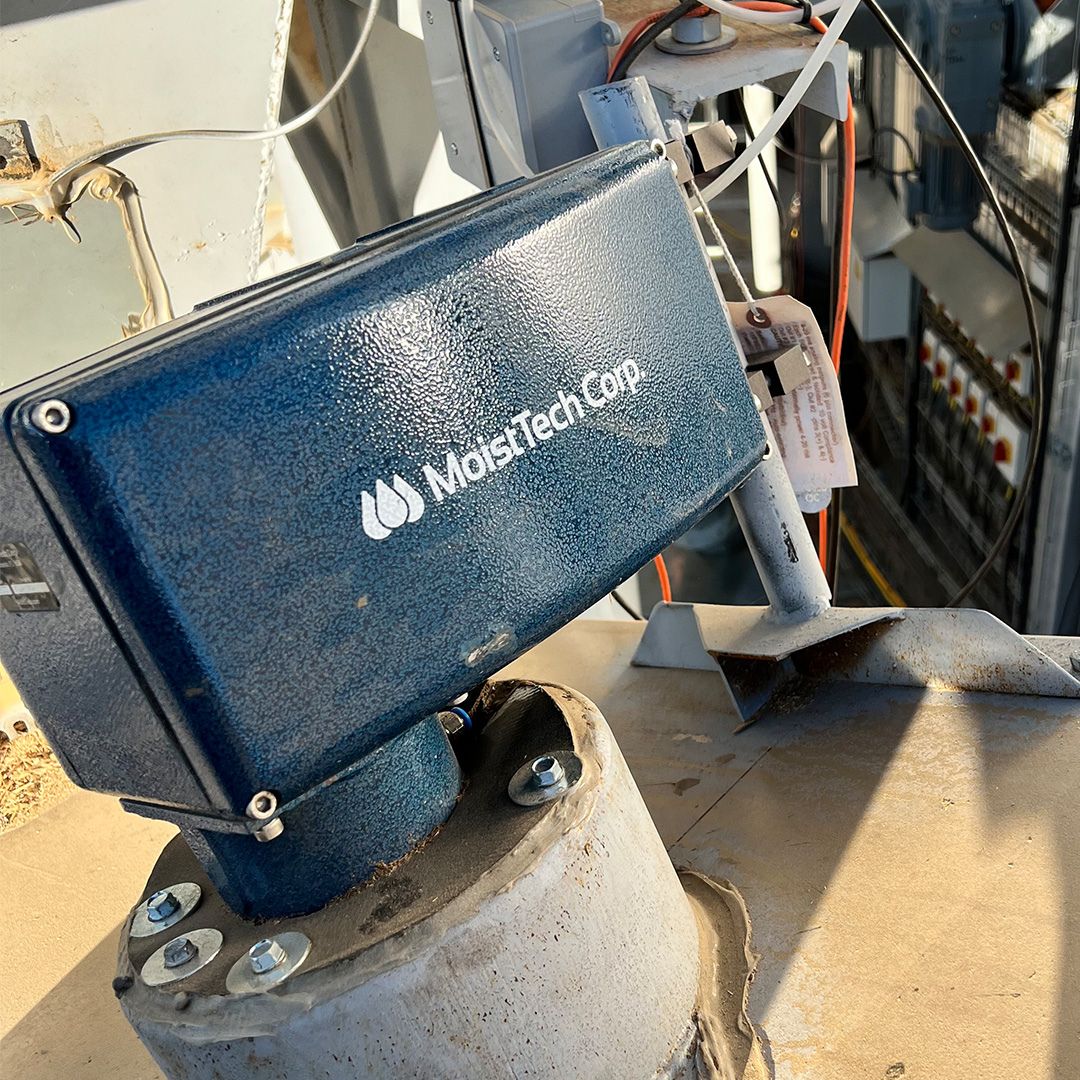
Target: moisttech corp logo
[393,505]
[399,503]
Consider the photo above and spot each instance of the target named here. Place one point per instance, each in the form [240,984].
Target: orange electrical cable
[636,31]
[665,581]
[843,282]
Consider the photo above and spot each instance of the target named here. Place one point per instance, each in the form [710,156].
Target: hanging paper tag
[809,424]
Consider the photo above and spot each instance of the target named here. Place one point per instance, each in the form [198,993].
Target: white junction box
[879,301]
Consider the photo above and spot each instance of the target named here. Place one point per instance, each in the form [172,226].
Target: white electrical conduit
[61,180]
[774,17]
[787,105]
[469,24]
[765,223]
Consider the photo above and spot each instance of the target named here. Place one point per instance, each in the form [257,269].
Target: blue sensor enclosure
[283,531]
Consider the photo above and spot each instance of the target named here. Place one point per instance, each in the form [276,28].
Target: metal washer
[525,792]
[155,973]
[242,980]
[188,895]
[666,43]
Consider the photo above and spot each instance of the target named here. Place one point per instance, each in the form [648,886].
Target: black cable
[1023,491]
[896,133]
[799,155]
[626,607]
[649,35]
[740,105]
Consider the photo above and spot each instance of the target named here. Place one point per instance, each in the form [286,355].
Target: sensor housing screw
[52,417]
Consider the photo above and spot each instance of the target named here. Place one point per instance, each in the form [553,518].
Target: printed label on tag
[809,424]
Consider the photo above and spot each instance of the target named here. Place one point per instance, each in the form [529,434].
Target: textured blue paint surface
[210,485]
[397,796]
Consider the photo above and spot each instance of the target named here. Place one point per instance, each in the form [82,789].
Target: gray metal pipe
[779,541]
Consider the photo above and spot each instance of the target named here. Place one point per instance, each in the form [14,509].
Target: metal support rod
[779,541]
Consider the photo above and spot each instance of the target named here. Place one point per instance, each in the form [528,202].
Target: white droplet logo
[413,499]
[392,506]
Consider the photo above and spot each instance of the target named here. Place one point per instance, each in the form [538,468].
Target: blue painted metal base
[335,839]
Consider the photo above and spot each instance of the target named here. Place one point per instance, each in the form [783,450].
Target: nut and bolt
[179,951]
[266,955]
[695,30]
[52,417]
[262,807]
[430,18]
[547,771]
[546,777]
[454,149]
[497,55]
[161,905]
[451,722]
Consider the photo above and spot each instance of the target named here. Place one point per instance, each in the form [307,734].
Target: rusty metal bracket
[759,656]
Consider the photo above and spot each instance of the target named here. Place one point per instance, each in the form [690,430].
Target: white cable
[787,105]
[137,142]
[769,17]
[740,281]
[469,24]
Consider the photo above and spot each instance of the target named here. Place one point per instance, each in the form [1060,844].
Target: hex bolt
[454,149]
[179,952]
[161,905]
[547,771]
[430,18]
[262,805]
[266,955]
[52,417]
[497,55]
[698,31]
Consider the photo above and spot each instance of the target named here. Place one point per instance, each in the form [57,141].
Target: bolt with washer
[547,771]
[52,417]
[266,955]
[179,951]
[161,905]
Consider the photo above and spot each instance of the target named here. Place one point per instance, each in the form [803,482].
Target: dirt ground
[31,779]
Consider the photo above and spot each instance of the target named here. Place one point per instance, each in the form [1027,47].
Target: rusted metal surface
[943,649]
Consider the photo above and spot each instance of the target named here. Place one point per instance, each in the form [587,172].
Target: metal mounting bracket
[771,55]
[760,656]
